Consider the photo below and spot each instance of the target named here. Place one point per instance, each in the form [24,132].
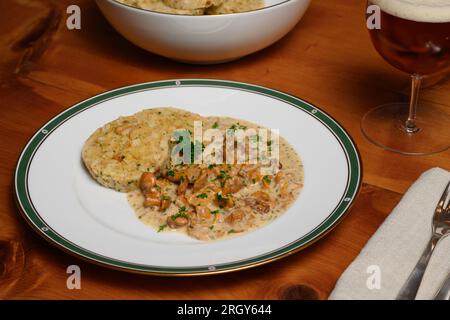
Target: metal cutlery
[444,292]
[440,228]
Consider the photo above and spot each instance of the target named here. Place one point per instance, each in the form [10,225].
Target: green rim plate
[35,220]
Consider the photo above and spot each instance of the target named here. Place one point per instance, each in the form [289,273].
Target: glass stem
[411,125]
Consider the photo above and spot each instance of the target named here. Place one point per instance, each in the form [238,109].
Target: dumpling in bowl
[192,4]
[234,6]
[160,6]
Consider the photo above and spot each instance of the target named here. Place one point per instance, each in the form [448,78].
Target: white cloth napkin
[393,251]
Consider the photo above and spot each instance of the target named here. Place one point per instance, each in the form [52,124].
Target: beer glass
[413,36]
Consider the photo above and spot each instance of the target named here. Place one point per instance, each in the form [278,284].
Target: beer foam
[434,11]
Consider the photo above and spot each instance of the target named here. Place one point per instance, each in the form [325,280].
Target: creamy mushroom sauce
[210,214]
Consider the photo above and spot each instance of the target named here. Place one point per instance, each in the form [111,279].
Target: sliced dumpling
[235,6]
[192,4]
[117,154]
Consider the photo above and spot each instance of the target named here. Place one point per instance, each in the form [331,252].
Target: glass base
[385,126]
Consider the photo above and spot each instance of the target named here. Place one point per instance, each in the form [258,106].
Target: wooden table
[327,59]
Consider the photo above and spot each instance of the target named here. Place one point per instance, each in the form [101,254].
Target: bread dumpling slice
[118,153]
[160,6]
[192,4]
[235,6]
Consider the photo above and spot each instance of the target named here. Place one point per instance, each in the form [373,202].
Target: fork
[444,291]
[440,228]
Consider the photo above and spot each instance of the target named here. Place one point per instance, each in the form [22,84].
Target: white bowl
[205,39]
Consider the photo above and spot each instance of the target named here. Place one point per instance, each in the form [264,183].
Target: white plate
[67,207]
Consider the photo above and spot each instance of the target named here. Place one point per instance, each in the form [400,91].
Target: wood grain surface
[327,59]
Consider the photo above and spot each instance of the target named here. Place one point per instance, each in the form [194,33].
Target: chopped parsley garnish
[269,144]
[181,214]
[202,196]
[170,173]
[267,179]
[237,126]
[178,215]
[220,197]
[231,231]
[211,166]
[223,175]
[215,212]
[162,227]
[211,227]
[215,125]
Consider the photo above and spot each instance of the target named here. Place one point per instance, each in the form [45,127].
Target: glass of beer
[414,37]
